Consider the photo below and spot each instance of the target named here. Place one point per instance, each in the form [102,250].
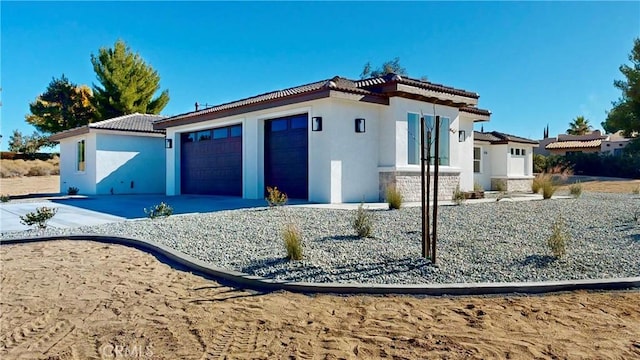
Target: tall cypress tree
[128,84]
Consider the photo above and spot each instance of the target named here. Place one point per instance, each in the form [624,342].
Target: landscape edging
[266,284]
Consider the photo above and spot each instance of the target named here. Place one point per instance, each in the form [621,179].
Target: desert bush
[548,189]
[5,198]
[538,180]
[458,196]
[13,168]
[363,222]
[275,197]
[72,190]
[394,197]
[575,189]
[292,241]
[477,186]
[636,190]
[159,210]
[39,218]
[557,242]
[501,186]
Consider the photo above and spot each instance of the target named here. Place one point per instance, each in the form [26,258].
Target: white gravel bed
[491,242]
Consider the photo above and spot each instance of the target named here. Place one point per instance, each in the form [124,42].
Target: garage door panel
[286,155]
[212,165]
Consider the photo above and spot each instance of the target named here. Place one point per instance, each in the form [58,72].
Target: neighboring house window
[80,164]
[413,138]
[477,159]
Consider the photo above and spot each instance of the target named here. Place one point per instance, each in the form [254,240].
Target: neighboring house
[123,155]
[594,142]
[331,141]
[503,161]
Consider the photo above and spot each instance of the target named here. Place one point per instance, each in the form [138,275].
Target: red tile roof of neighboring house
[496,137]
[372,88]
[574,144]
[475,110]
[142,123]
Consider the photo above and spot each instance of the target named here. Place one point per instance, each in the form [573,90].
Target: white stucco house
[123,155]
[331,141]
[503,160]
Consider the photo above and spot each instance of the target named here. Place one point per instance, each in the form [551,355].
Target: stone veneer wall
[513,184]
[409,184]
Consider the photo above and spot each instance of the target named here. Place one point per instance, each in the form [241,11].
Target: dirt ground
[86,300]
[30,185]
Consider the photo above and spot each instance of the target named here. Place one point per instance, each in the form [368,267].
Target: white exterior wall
[519,165]
[129,164]
[499,155]
[69,177]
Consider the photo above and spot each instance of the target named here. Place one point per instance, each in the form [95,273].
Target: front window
[80,164]
[413,138]
[477,159]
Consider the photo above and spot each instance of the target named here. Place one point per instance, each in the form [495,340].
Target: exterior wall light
[168,143]
[316,123]
[461,136]
[359,125]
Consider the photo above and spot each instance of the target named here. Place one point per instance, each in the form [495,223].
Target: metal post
[435,191]
[426,209]
[422,187]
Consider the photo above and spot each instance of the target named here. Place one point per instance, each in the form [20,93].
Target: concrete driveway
[95,210]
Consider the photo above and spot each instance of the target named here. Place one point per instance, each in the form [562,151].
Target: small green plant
[575,190]
[636,190]
[477,186]
[558,239]
[161,209]
[5,198]
[292,241]
[72,190]
[275,197]
[458,196]
[394,197]
[363,222]
[548,189]
[39,218]
[501,186]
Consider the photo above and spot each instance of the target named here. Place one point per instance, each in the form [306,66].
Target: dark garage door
[211,161]
[286,162]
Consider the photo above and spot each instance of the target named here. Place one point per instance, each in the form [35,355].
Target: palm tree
[579,126]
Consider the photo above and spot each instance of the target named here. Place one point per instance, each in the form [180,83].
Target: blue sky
[532,63]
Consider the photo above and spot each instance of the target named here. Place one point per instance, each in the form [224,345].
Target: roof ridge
[121,117]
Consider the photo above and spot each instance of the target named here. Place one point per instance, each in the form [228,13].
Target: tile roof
[371,87]
[574,144]
[131,122]
[142,123]
[496,137]
[475,110]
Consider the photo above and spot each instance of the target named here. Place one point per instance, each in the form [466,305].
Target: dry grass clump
[575,190]
[17,168]
[394,197]
[363,222]
[557,242]
[549,181]
[458,196]
[292,241]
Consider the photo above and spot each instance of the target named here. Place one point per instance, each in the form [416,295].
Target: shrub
[4,198]
[575,190]
[13,168]
[477,186]
[501,186]
[548,189]
[72,190]
[539,163]
[39,218]
[363,222]
[558,239]
[540,179]
[458,196]
[292,241]
[275,197]
[39,170]
[161,209]
[636,190]
[394,197]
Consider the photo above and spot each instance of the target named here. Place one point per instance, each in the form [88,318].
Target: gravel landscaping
[489,242]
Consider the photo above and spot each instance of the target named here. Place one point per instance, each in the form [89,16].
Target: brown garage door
[211,161]
[286,160]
